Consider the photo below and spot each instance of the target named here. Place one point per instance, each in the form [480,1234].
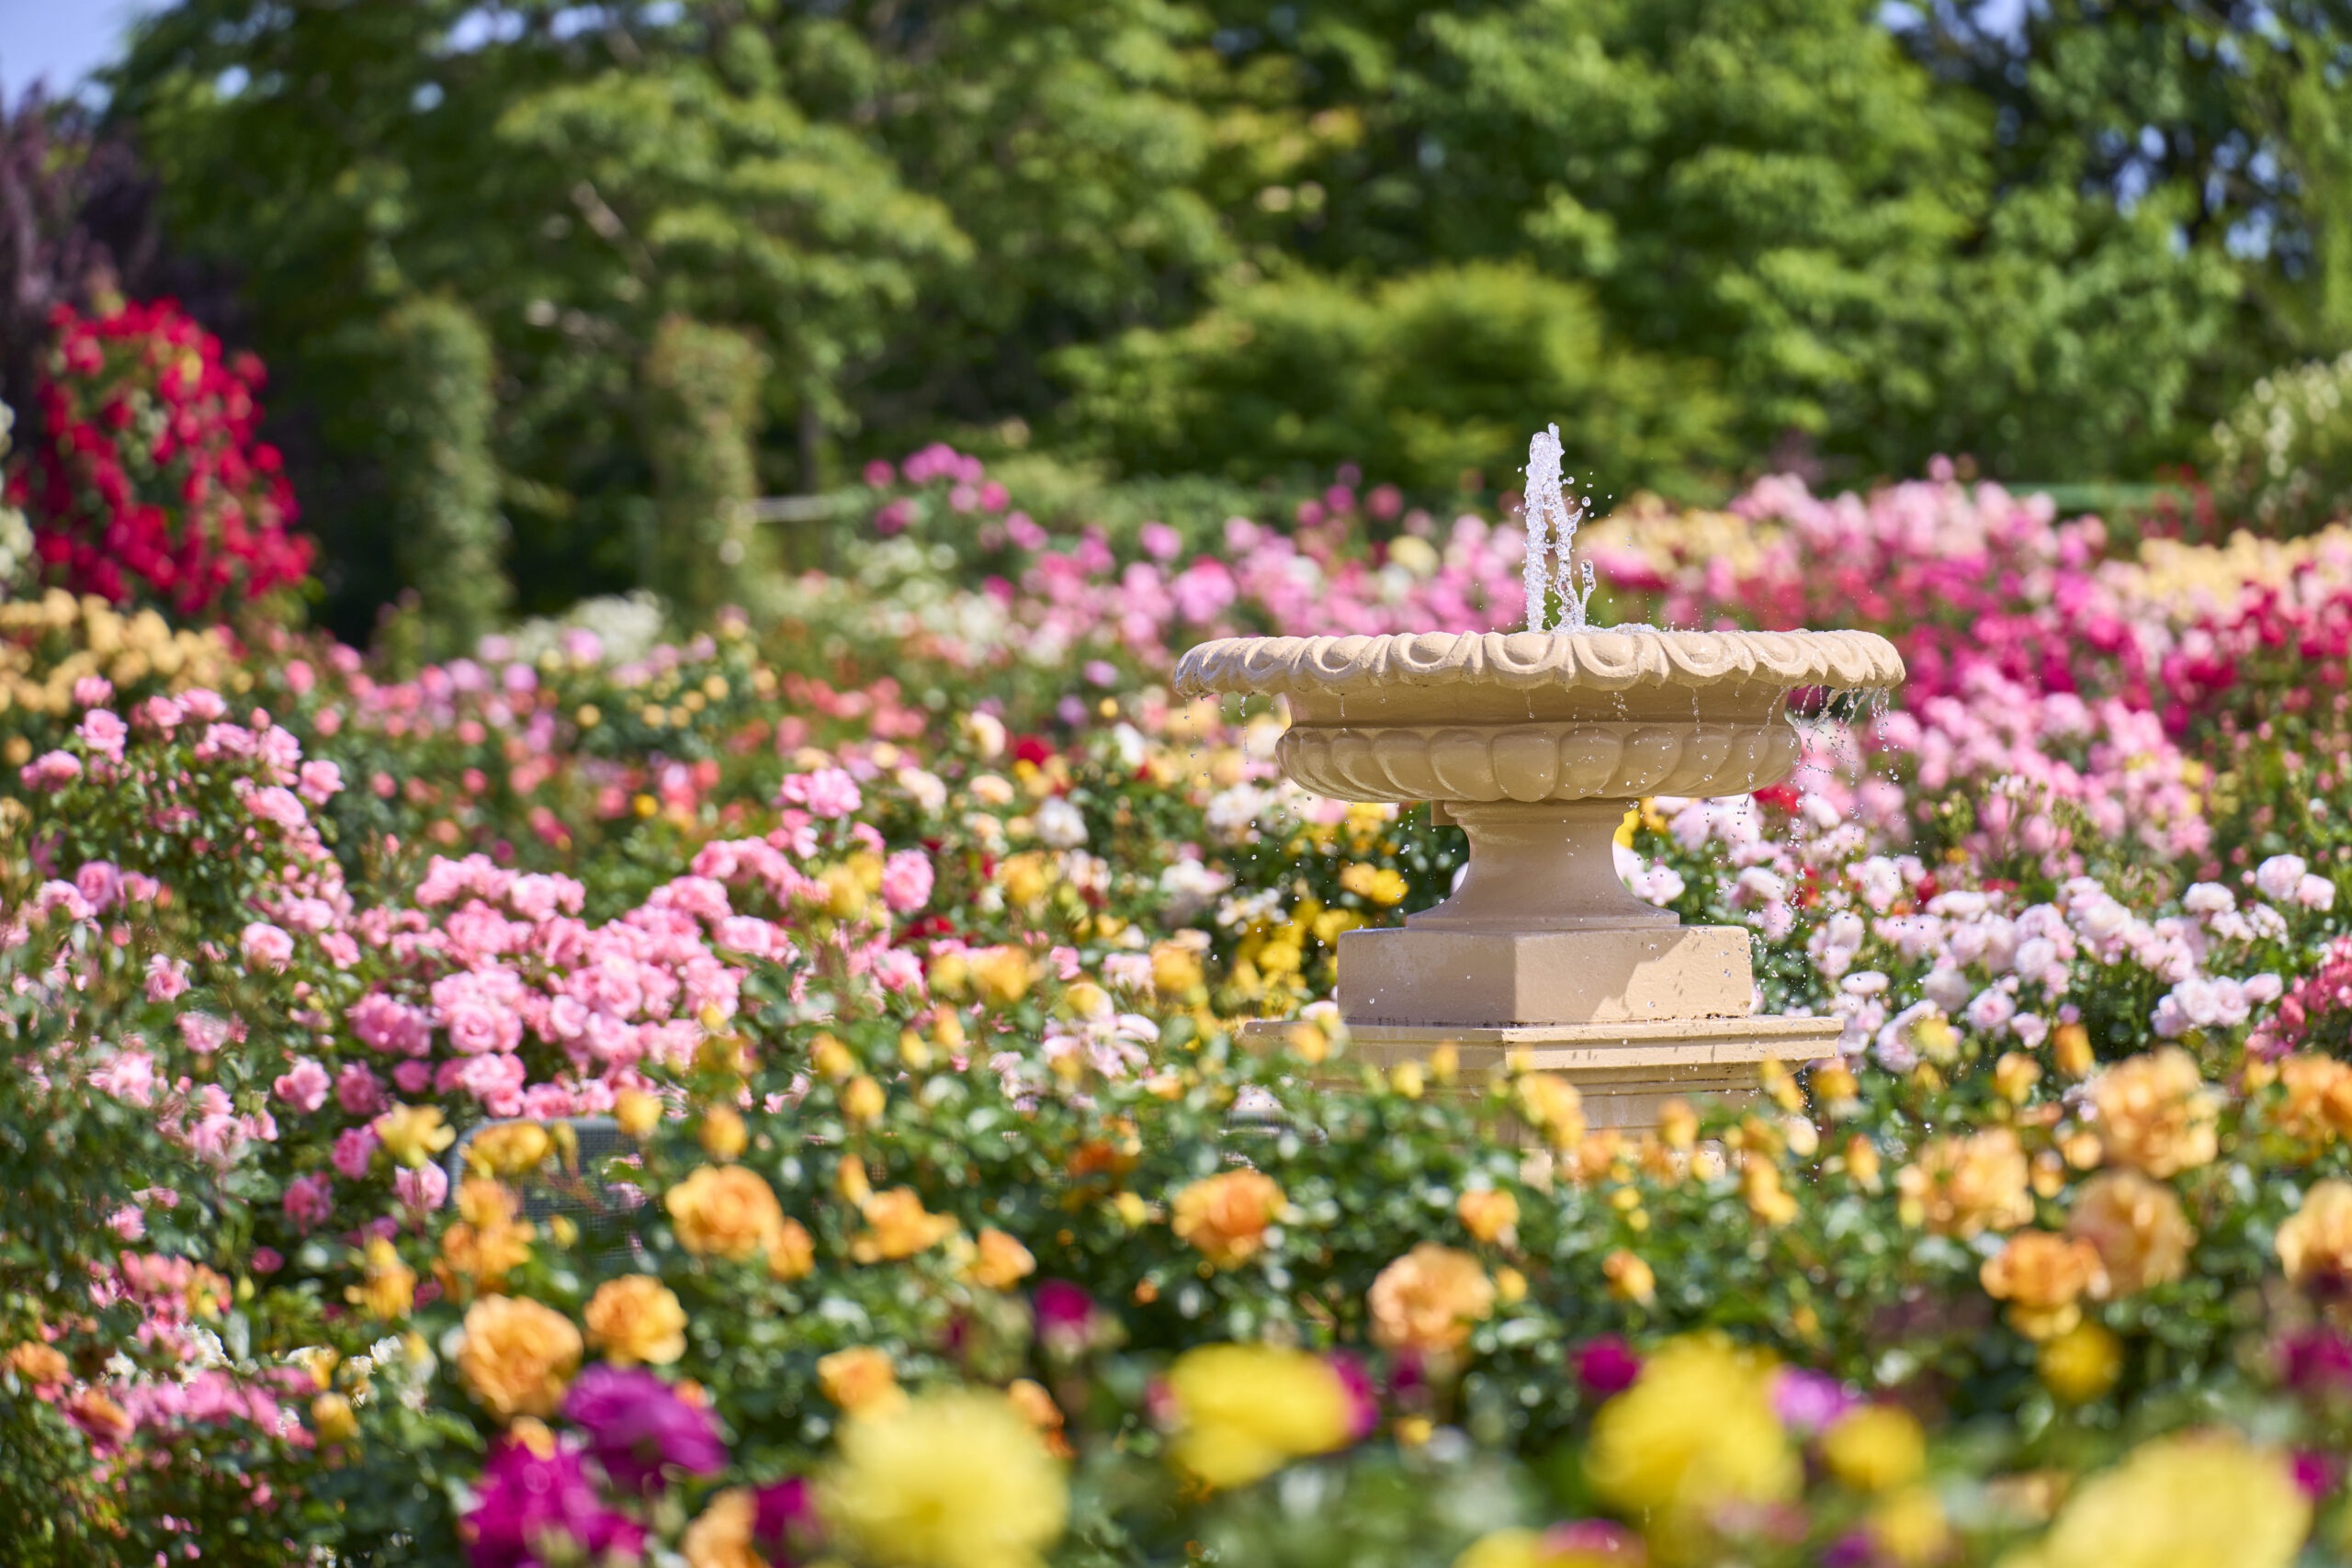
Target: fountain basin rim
[1595,659]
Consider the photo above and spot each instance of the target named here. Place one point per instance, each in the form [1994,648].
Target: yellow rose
[723,1134]
[1245,1411]
[1760,1184]
[2317,1104]
[517,1356]
[1696,1432]
[1862,1161]
[955,1479]
[1003,974]
[724,1212]
[1553,1107]
[1175,970]
[2315,1242]
[2210,1498]
[636,1319]
[509,1148]
[413,1134]
[1487,1214]
[1909,1528]
[332,1419]
[2080,1364]
[863,1099]
[2156,1113]
[2070,1047]
[898,1225]
[792,1255]
[1226,1216]
[1000,1261]
[637,1112]
[487,1243]
[1874,1448]
[720,1536]
[1964,1186]
[2142,1234]
[1429,1300]
[387,1286]
[1629,1279]
[860,1381]
[2042,1276]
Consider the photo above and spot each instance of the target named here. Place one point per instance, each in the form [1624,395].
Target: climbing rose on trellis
[149,484]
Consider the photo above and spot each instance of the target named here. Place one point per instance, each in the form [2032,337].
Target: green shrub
[701,398]
[440,482]
[2284,455]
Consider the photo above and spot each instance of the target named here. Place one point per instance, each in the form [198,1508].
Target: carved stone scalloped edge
[1558,761]
[1602,660]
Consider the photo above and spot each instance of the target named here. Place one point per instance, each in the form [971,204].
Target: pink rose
[422,1188]
[303,1087]
[50,771]
[309,1200]
[103,733]
[906,881]
[354,1148]
[101,882]
[267,946]
[93,692]
[359,1090]
[320,782]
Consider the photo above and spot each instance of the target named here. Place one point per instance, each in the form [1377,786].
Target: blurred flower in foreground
[2207,1498]
[638,1426]
[1586,1543]
[1696,1431]
[1245,1411]
[955,1479]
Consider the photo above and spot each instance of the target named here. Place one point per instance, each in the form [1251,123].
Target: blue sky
[59,40]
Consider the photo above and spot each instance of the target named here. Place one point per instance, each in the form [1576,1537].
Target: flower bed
[902,942]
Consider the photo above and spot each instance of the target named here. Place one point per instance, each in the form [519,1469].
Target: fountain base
[1447,979]
[1626,1072]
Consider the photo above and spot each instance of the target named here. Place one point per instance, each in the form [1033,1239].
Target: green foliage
[1427,375]
[440,480]
[2284,455]
[702,389]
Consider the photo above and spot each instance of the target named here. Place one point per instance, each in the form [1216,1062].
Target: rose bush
[774,1097]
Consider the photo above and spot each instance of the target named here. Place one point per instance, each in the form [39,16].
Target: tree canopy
[1211,235]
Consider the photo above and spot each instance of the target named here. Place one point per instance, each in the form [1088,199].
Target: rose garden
[904,1056]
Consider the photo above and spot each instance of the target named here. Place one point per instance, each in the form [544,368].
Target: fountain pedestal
[1536,743]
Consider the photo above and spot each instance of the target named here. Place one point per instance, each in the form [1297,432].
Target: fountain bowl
[1535,744]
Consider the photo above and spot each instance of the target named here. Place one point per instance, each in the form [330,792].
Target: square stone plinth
[1477,979]
[1626,1072]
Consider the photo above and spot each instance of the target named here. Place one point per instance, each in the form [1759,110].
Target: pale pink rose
[160,712]
[204,705]
[896,969]
[267,946]
[303,1086]
[129,1076]
[392,1027]
[906,881]
[103,732]
[422,1188]
[278,807]
[828,792]
[342,951]
[100,882]
[320,782]
[309,1200]
[50,771]
[93,692]
[354,1148]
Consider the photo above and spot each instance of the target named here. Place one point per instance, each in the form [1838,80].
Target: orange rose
[2138,1227]
[517,1356]
[636,1319]
[793,1254]
[40,1365]
[1489,1214]
[2042,1276]
[1429,1298]
[1001,1262]
[1629,1279]
[2156,1113]
[1038,1408]
[487,1243]
[107,1424]
[724,1136]
[720,1536]
[1225,1215]
[387,1286]
[724,1212]
[1553,1106]
[1964,1186]
[898,1225]
[2316,1243]
[860,1381]
[2318,1098]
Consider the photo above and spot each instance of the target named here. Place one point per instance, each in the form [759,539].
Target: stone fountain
[1536,743]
